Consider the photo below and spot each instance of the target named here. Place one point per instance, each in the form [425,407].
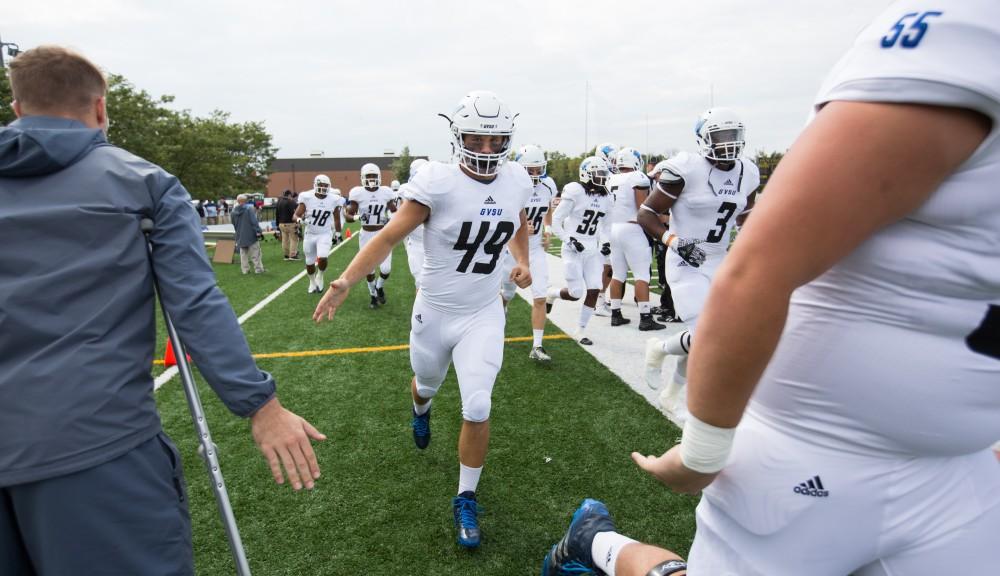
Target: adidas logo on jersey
[813,487]
[419,319]
[489,200]
[729,183]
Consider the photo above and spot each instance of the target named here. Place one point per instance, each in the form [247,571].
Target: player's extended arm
[519,244]
[823,201]
[411,215]
[336,220]
[658,202]
[300,211]
[352,211]
[562,212]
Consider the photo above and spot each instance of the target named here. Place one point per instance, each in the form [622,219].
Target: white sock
[585,313]
[312,279]
[421,409]
[468,478]
[616,304]
[536,337]
[605,549]
[644,307]
[679,344]
[379,282]
[319,278]
[603,298]
[554,294]
[371,289]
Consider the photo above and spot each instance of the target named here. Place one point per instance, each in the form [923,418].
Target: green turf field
[559,434]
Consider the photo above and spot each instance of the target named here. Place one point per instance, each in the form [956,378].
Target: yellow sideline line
[369,349]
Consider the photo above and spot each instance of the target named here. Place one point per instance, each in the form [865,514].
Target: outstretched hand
[283,437]
[332,300]
[670,470]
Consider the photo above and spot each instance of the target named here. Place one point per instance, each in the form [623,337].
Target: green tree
[6,97]
[767,162]
[401,166]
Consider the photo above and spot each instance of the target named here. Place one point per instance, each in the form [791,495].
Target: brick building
[296,174]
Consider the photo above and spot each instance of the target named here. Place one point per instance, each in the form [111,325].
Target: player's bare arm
[521,273]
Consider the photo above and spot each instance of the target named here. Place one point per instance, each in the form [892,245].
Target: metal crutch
[206,449]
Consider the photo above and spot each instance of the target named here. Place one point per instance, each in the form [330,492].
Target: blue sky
[361,77]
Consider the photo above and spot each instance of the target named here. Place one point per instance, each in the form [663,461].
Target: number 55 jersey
[469,225]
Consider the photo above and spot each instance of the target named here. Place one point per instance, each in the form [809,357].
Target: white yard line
[169,373]
[623,348]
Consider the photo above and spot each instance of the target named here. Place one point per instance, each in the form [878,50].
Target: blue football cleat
[421,429]
[571,555]
[466,519]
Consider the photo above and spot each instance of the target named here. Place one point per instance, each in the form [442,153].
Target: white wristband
[665,237]
[705,448]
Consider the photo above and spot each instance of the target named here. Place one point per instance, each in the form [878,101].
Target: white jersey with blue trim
[921,295]
[622,187]
[582,216]
[318,215]
[711,199]
[373,205]
[469,225]
[539,204]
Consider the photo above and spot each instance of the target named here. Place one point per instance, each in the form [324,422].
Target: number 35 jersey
[712,198]
[318,216]
[469,225]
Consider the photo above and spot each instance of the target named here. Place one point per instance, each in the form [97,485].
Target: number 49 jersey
[469,225]
[319,211]
[712,198]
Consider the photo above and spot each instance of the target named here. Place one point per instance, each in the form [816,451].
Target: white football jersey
[539,204]
[469,226]
[318,216]
[621,187]
[712,198]
[373,206]
[929,281]
[582,216]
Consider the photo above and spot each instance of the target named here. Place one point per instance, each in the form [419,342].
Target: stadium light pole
[12,51]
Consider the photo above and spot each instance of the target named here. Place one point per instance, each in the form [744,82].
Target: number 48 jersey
[469,225]
[319,211]
[712,198]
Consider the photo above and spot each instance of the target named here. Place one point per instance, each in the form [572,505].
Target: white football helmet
[628,157]
[321,184]
[531,156]
[607,152]
[720,134]
[415,166]
[394,185]
[481,113]
[594,170]
[371,176]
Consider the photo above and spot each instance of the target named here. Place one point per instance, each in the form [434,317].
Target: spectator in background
[201,211]
[248,235]
[285,216]
[211,212]
[223,211]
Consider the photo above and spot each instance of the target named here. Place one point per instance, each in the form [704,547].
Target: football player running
[579,220]
[629,246]
[533,159]
[371,203]
[471,211]
[319,210]
[843,391]
[706,194]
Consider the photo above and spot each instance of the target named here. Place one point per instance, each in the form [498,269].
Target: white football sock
[421,409]
[371,289]
[585,313]
[319,279]
[468,478]
[536,338]
[678,344]
[554,293]
[644,307]
[605,549]
[379,282]
[616,304]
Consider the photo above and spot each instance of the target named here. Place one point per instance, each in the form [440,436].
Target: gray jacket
[77,331]
[246,225]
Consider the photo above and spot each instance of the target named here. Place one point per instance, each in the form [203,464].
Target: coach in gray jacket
[247,235]
[89,483]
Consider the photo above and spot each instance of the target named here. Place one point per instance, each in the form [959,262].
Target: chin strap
[668,567]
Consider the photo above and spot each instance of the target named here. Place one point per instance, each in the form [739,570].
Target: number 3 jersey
[318,216]
[469,225]
[373,206]
[712,198]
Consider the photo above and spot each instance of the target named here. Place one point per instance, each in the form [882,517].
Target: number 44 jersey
[712,198]
[469,225]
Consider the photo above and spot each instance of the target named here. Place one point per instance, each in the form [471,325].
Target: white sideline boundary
[621,349]
[169,373]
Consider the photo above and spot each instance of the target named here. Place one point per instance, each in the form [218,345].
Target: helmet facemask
[470,145]
[724,144]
